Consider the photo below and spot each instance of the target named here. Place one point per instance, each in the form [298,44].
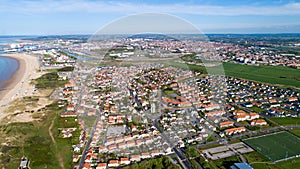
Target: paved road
[87,147]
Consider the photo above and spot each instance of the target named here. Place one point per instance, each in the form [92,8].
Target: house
[71,107]
[258,122]
[292,99]
[110,141]
[135,157]
[68,114]
[86,166]
[235,130]
[112,147]
[145,155]
[139,142]
[253,116]
[119,139]
[122,145]
[130,143]
[113,163]
[239,112]
[215,113]
[242,117]
[125,161]
[76,149]
[102,148]
[155,153]
[101,166]
[76,158]
[24,164]
[226,124]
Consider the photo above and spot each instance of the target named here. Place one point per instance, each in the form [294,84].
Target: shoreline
[6,84]
[19,83]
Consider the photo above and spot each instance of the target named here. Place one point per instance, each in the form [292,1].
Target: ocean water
[7,68]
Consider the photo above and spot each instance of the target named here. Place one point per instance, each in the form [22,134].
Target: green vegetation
[158,163]
[258,161]
[210,138]
[192,67]
[192,152]
[191,58]
[296,132]
[267,74]
[49,81]
[280,75]
[89,121]
[287,120]
[66,69]
[226,162]
[205,164]
[276,146]
[257,109]
[33,141]
[293,163]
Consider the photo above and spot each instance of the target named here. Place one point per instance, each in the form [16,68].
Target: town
[150,98]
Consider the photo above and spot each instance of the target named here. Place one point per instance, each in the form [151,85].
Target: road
[87,147]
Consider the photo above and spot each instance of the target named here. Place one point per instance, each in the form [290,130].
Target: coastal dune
[19,84]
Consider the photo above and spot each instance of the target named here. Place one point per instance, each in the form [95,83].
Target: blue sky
[48,17]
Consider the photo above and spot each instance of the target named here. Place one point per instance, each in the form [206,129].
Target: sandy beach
[19,84]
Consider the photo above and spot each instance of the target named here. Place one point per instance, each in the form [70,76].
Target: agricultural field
[276,146]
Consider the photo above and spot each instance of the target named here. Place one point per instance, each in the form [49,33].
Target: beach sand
[18,85]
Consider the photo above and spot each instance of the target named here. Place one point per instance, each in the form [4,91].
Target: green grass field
[278,75]
[276,146]
[268,74]
[286,120]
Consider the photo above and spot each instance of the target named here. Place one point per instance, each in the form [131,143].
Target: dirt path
[59,157]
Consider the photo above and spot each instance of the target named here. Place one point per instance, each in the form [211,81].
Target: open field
[268,74]
[287,120]
[277,75]
[276,146]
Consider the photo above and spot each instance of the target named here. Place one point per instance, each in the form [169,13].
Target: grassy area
[162,162]
[205,164]
[32,140]
[192,152]
[268,74]
[49,80]
[296,132]
[276,146]
[280,75]
[286,120]
[226,162]
[211,138]
[293,163]
[258,161]
[89,121]
[257,109]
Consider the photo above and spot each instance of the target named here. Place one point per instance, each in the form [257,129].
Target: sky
[58,17]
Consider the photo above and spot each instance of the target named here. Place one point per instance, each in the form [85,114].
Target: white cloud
[48,6]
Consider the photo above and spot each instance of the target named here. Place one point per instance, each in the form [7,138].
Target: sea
[8,66]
